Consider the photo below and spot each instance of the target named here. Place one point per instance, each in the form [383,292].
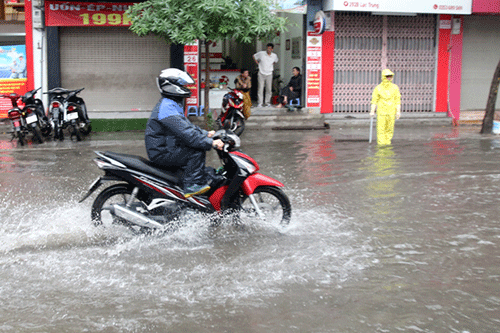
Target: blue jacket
[170,135]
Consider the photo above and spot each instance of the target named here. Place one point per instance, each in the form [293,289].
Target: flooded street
[398,239]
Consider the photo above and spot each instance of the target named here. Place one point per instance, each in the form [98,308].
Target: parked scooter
[23,120]
[231,116]
[67,110]
[35,106]
[149,197]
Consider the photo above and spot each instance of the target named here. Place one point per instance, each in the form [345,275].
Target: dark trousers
[289,95]
[192,162]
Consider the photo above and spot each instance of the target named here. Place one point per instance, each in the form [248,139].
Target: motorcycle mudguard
[96,184]
[257,179]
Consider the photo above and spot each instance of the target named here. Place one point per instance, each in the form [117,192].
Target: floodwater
[397,239]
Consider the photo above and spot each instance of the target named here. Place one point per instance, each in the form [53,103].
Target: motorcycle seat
[171,174]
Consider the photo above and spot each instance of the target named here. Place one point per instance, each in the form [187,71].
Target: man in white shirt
[265,60]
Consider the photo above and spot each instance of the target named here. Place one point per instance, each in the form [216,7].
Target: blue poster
[13,62]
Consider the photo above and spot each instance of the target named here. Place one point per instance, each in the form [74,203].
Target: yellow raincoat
[386,98]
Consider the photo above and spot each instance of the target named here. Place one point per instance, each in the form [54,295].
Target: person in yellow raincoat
[386,99]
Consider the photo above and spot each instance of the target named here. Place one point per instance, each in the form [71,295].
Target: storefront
[420,41]
[12,55]
[481,53]
[90,45]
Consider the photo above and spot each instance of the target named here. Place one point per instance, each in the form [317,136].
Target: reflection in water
[382,179]
[444,150]
[317,163]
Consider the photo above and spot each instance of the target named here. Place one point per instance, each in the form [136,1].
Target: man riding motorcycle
[172,140]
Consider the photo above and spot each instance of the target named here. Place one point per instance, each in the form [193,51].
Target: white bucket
[496,127]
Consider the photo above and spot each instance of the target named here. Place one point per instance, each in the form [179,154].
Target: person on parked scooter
[172,140]
[292,90]
[244,83]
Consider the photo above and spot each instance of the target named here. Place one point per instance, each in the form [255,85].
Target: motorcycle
[23,120]
[67,110]
[231,116]
[149,197]
[35,106]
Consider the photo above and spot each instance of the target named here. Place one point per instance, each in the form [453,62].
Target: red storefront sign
[191,64]
[86,14]
[313,76]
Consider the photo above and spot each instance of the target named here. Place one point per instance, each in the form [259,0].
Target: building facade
[444,55]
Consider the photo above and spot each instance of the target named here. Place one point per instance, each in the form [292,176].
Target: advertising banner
[456,7]
[313,74]
[191,64]
[12,74]
[100,14]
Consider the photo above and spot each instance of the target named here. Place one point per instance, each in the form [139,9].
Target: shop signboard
[102,14]
[191,64]
[456,7]
[313,66]
[12,74]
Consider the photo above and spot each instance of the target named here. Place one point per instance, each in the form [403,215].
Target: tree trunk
[490,105]
[207,83]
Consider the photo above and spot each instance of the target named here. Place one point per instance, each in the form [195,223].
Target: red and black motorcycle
[148,197]
[231,116]
[25,120]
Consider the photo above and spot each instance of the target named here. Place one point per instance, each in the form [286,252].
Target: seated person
[172,140]
[292,90]
[243,83]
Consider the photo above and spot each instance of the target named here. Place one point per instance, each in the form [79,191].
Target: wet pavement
[396,239]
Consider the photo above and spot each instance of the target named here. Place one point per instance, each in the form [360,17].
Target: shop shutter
[117,68]
[481,52]
[365,44]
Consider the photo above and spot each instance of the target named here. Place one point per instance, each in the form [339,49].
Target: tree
[184,21]
[490,105]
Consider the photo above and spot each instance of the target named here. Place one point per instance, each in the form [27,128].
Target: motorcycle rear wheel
[75,130]
[20,138]
[272,202]
[115,194]
[37,135]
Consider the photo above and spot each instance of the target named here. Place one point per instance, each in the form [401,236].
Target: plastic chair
[295,102]
[195,111]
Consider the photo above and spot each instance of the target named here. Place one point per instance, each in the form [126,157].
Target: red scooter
[232,117]
[150,197]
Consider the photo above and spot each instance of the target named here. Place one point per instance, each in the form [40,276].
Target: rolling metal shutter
[481,49]
[365,44]
[117,68]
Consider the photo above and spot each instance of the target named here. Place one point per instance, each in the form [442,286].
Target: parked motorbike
[231,116]
[23,120]
[67,110]
[35,106]
[149,197]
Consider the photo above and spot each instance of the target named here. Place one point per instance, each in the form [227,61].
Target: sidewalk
[274,118]
[282,119]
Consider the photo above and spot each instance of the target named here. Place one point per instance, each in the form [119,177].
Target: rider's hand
[218,144]
[211,134]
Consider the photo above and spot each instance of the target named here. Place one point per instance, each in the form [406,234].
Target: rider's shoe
[196,190]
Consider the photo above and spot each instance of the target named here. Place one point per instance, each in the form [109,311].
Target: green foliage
[184,21]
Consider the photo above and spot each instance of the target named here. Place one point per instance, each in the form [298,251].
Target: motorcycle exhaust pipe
[135,217]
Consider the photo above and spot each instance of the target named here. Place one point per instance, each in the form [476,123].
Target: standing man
[386,99]
[265,60]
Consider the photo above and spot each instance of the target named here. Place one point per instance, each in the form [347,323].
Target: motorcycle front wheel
[238,125]
[102,210]
[272,203]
